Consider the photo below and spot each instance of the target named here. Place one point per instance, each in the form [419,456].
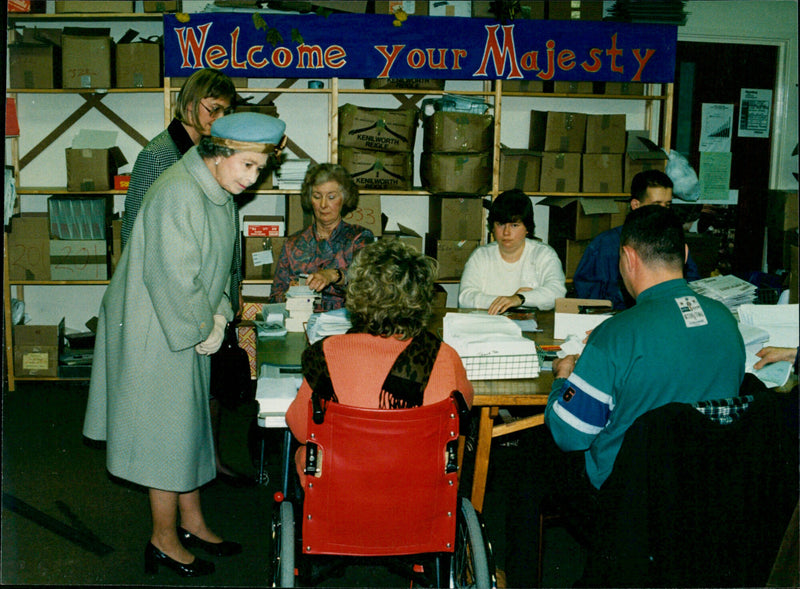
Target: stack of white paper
[491,346]
[728,289]
[291,173]
[299,306]
[272,323]
[275,392]
[321,325]
[774,325]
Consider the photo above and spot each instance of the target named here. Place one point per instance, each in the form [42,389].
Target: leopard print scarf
[405,384]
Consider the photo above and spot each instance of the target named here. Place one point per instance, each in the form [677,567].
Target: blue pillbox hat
[248,131]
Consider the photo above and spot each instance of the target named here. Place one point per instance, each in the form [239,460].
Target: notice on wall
[755,107]
[715,130]
[715,175]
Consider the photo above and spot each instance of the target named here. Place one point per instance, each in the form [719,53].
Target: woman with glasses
[324,250]
[205,97]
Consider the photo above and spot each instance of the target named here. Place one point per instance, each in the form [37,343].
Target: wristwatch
[521,298]
[339,276]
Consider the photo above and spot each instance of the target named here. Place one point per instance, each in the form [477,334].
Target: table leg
[482,458]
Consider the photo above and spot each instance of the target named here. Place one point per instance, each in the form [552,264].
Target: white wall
[307,125]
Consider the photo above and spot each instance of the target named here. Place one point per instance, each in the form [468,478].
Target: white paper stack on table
[730,290]
[291,173]
[299,306]
[273,318]
[275,391]
[321,325]
[769,325]
[491,346]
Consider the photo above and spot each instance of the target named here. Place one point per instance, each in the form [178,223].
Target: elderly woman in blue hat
[163,314]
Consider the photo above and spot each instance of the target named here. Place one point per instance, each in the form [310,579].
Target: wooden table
[490,395]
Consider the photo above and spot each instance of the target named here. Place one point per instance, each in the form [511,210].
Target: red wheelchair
[381,487]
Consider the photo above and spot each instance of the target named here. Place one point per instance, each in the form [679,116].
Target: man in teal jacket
[673,345]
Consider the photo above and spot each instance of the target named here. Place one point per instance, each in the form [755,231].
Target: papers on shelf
[729,290]
[769,325]
[491,346]
[275,390]
[321,325]
[291,173]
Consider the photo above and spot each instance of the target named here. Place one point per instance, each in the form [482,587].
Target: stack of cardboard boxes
[456,227]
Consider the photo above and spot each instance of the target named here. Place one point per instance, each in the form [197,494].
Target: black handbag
[230,372]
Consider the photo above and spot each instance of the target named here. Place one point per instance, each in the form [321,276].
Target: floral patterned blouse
[303,253]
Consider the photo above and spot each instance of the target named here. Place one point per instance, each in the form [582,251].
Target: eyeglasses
[218,110]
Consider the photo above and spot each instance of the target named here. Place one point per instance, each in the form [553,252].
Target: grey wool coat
[149,390]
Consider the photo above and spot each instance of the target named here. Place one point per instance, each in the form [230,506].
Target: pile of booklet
[276,389]
[491,346]
[291,173]
[769,325]
[730,290]
[299,306]
[321,325]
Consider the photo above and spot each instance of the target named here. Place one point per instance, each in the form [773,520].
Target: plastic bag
[686,186]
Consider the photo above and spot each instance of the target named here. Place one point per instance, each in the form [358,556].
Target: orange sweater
[359,364]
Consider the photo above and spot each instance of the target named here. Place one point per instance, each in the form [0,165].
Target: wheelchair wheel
[283,546]
[471,565]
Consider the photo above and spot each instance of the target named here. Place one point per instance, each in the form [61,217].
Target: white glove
[214,340]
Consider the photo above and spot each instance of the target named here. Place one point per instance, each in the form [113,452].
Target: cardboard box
[161,5]
[782,210]
[577,316]
[562,87]
[450,8]
[602,172]
[578,218]
[86,56]
[572,255]
[605,134]
[561,172]
[78,259]
[557,131]
[523,86]
[139,65]
[94,6]
[618,218]
[457,132]
[456,218]
[527,9]
[263,226]
[406,235]
[368,213]
[93,169]
[252,306]
[452,254]
[261,256]
[79,217]
[34,66]
[416,7]
[624,88]
[378,129]
[378,169]
[355,6]
[37,348]
[29,247]
[575,9]
[520,168]
[296,218]
[456,173]
[403,84]
[641,154]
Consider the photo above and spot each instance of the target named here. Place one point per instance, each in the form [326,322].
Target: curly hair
[390,290]
[322,173]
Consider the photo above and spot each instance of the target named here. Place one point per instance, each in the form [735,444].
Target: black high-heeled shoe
[224,548]
[153,557]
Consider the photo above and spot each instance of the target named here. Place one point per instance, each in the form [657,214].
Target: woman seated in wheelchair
[388,359]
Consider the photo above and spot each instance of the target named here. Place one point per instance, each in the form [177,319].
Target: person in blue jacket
[597,275]
[674,345]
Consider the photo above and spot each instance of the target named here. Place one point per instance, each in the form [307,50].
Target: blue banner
[370,46]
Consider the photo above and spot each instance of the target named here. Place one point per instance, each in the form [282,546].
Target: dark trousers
[542,473]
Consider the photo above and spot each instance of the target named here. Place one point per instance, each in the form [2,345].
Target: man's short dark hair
[512,206]
[649,178]
[657,236]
